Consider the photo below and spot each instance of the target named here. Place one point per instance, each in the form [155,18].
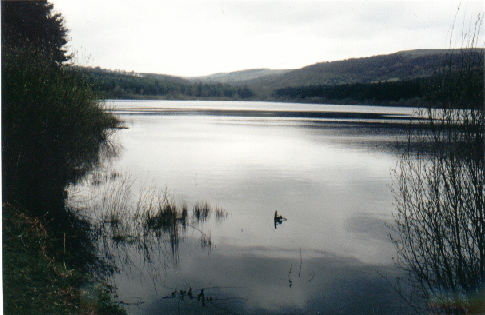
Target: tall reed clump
[440,189]
[149,214]
[140,226]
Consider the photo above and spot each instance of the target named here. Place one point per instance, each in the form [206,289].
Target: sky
[201,37]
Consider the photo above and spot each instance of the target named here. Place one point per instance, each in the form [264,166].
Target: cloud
[202,37]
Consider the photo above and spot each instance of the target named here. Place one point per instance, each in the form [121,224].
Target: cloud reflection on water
[248,283]
[329,178]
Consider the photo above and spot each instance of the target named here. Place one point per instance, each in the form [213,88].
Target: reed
[123,213]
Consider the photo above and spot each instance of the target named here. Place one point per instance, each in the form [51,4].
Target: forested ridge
[402,78]
[119,84]
[408,92]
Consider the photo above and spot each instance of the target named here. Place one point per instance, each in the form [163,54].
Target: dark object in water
[278,219]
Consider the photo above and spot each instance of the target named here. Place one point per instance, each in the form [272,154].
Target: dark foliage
[32,24]
[113,84]
[460,82]
[372,93]
[245,92]
[52,130]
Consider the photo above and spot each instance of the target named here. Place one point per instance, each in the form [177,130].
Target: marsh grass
[113,200]
[221,214]
[202,211]
[140,226]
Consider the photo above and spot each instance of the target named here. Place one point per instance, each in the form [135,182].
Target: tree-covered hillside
[116,84]
[236,77]
[394,79]
[404,65]
[443,84]
[405,93]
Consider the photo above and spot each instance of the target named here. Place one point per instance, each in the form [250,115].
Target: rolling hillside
[401,76]
[404,65]
[237,77]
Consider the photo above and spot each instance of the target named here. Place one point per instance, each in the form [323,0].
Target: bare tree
[439,187]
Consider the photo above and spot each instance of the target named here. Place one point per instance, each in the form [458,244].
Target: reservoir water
[325,168]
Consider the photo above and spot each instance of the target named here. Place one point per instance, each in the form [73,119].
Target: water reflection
[440,211]
[162,248]
[300,283]
[252,165]
[143,230]
[201,298]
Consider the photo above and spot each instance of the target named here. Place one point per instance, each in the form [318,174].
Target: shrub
[53,129]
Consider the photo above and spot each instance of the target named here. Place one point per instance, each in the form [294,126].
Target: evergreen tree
[33,24]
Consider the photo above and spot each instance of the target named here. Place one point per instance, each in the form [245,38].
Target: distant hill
[239,76]
[131,85]
[165,77]
[403,65]
[404,78]
[400,76]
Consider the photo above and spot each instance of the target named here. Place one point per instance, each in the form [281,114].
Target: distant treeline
[125,85]
[422,91]
[370,93]
[440,90]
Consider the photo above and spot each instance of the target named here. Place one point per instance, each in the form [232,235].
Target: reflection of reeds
[140,229]
[202,211]
[98,178]
[207,296]
[125,216]
[221,214]
[165,218]
[206,241]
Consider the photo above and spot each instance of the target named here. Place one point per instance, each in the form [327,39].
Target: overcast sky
[201,37]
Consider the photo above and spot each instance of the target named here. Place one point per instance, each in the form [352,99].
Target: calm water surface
[325,168]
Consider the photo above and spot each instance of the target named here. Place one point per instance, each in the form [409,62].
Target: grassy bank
[36,281]
[54,132]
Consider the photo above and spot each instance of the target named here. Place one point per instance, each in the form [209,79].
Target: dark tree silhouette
[53,126]
[54,131]
[34,25]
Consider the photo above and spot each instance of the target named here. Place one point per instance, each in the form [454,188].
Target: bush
[53,129]
[439,184]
